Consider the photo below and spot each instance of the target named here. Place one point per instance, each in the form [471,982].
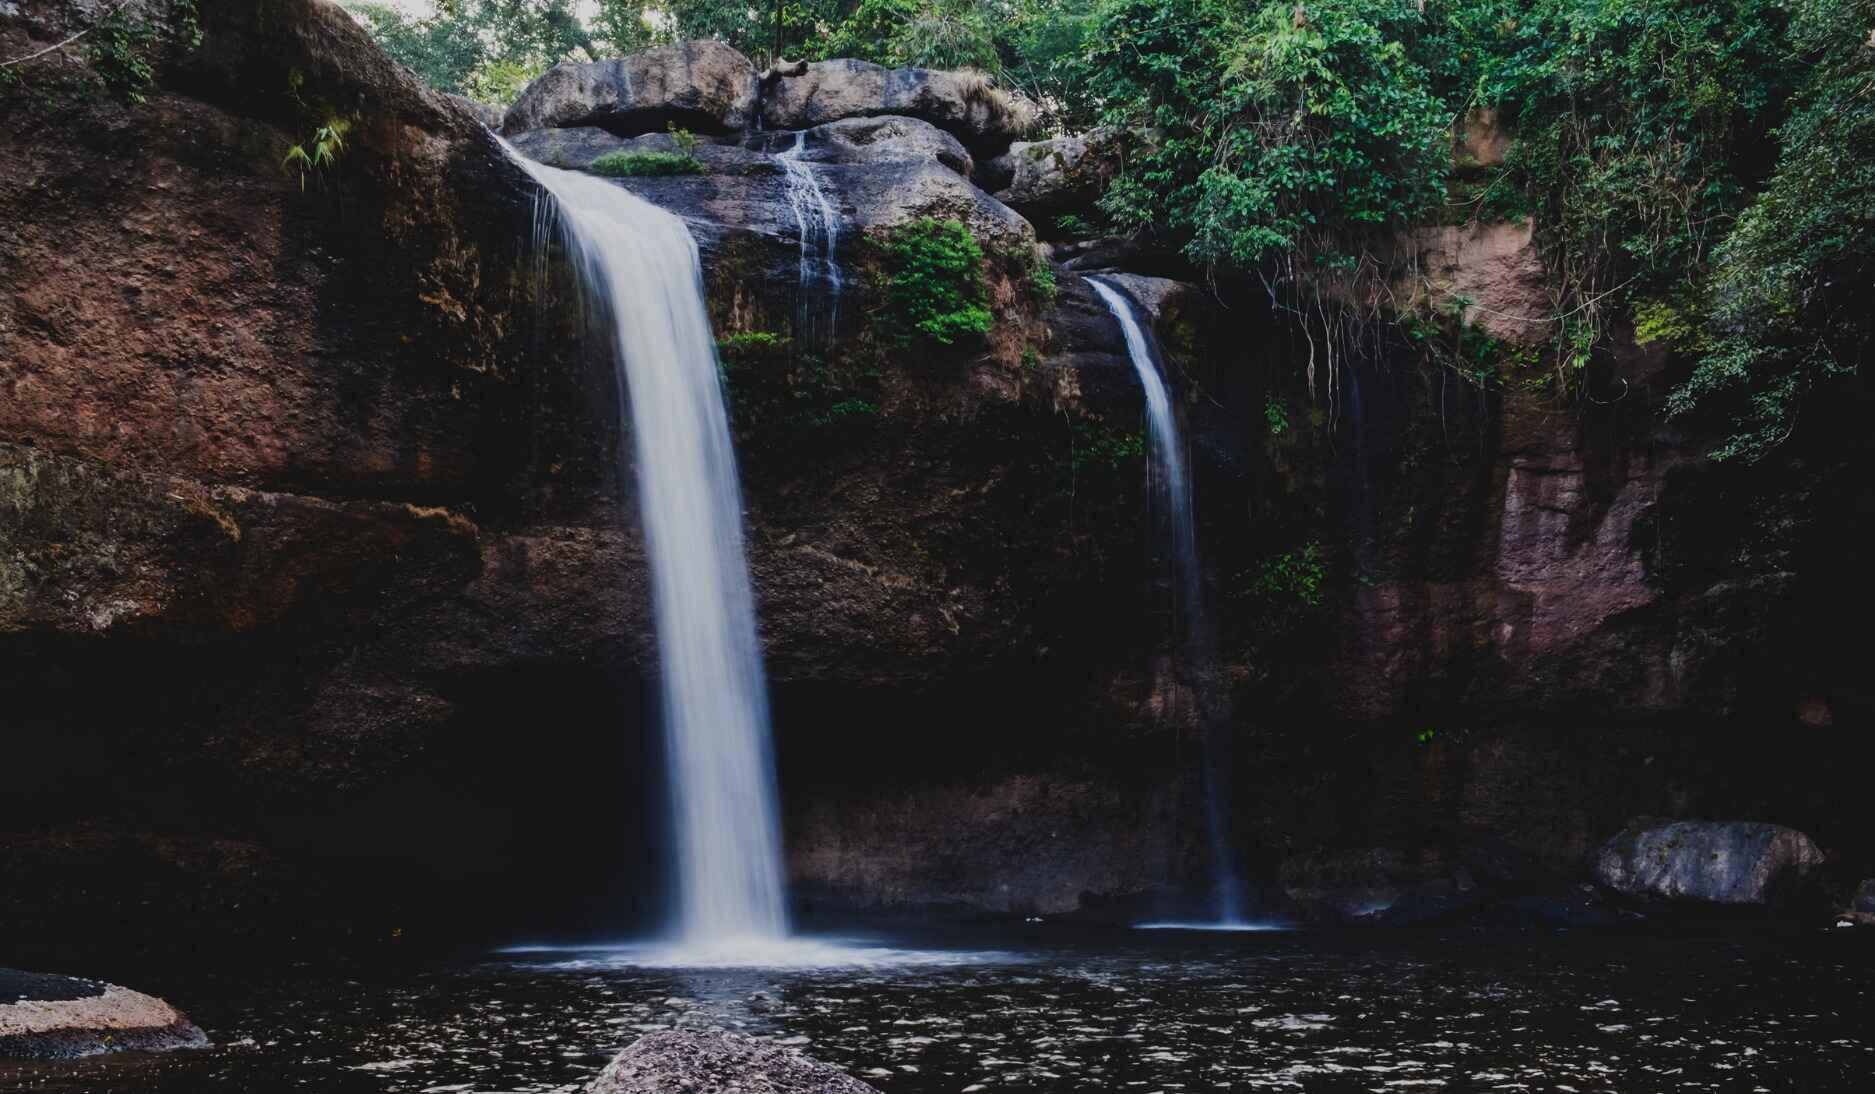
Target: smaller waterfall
[1171,491]
[819,225]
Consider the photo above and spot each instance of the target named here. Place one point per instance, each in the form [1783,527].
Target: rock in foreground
[1712,862]
[715,1060]
[45,1016]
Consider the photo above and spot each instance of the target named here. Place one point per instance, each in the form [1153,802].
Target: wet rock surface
[48,1016]
[963,103]
[1044,179]
[1710,862]
[703,85]
[718,1060]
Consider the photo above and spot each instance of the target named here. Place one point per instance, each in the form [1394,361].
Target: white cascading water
[819,225]
[1171,486]
[639,265]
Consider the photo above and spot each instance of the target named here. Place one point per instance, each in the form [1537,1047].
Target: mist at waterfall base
[1170,491]
[638,267]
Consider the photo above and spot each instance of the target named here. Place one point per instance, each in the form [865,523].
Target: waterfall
[1171,492]
[819,225]
[638,267]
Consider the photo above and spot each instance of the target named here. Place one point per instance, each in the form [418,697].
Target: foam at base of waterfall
[758,952]
[1213,925]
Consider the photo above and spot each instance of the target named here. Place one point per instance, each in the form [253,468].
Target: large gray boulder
[44,1016]
[887,139]
[1710,862]
[963,103]
[707,1061]
[703,85]
[1064,174]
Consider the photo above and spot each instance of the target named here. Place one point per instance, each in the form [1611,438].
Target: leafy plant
[1789,286]
[321,153]
[1275,416]
[1294,577]
[628,164]
[933,271]
[1042,285]
[1074,226]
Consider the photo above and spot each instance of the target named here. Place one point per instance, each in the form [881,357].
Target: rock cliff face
[319,577]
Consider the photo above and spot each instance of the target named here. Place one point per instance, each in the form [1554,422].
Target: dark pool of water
[1049,1009]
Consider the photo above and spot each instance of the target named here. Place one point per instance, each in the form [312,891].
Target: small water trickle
[639,272]
[818,223]
[1170,485]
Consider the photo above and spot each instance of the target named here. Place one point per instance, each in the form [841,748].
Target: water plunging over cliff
[819,225]
[1171,490]
[638,266]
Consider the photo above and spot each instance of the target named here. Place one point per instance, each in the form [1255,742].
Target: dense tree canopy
[1700,172]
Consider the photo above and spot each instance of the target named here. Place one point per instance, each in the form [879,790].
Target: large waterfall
[1171,493]
[638,267]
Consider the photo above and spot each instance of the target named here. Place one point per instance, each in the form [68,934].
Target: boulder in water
[1711,862]
[964,103]
[703,85]
[716,1060]
[44,1016]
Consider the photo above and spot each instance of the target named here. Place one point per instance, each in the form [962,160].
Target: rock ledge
[45,1016]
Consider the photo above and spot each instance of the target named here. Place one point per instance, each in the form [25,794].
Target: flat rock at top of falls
[963,103]
[702,84]
[707,1061]
[876,173]
[46,1016]
[1711,862]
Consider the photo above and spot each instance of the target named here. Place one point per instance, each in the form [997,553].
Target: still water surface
[1049,1009]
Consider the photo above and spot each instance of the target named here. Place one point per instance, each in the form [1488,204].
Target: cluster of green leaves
[1042,284]
[1096,446]
[1280,134]
[1639,129]
[933,273]
[490,49]
[320,153]
[1290,578]
[652,162]
[770,387]
[122,50]
[1789,291]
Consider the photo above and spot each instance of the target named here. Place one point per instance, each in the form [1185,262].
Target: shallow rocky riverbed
[1050,1009]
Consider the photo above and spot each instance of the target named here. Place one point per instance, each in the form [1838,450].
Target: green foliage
[934,282]
[487,49]
[1283,134]
[320,153]
[685,140]
[1275,416]
[1639,127]
[770,389]
[1042,285]
[921,33]
[1294,577]
[119,50]
[1095,446]
[1790,285]
[1074,226]
[627,164]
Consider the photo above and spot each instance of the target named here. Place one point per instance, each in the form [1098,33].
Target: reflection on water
[1053,1010]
